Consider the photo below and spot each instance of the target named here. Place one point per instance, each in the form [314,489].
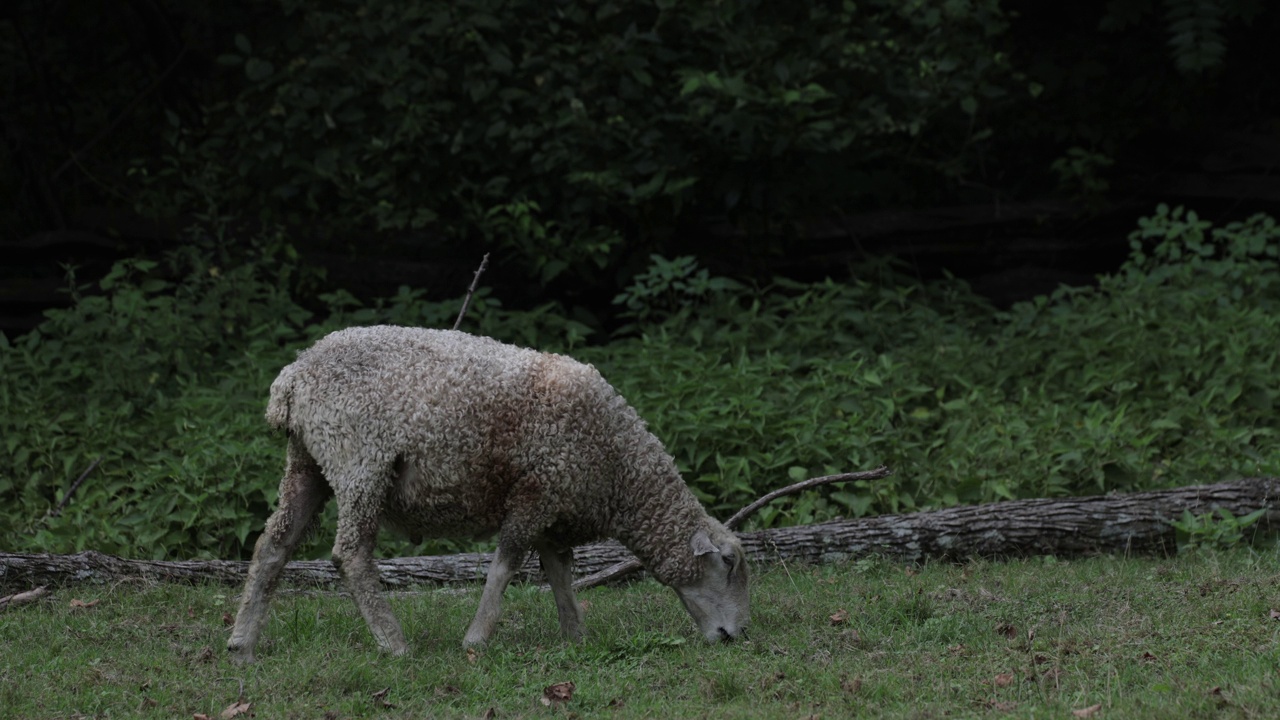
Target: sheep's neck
[655,518]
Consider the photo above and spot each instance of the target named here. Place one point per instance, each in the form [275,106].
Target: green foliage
[1163,374]
[1217,530]
[1194,27]
[1080,174]
[669,287]
[542,131]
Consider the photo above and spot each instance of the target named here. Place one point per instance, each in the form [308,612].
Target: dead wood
[9,601]
[1136,523]
[466,301]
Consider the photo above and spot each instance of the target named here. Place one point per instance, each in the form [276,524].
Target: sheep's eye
[728,560]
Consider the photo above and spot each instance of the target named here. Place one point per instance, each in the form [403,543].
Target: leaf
[557,694]
[77,603]
[839,616]
[1004,680]
[1087,712]
[236,709]
[258,70]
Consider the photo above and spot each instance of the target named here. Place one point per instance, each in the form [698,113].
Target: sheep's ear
[701,543]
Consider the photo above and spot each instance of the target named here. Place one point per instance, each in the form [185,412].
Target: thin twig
[466,302]
[623,569]
[119,118]
[75,486]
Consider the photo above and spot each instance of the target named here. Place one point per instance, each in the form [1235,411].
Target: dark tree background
[392,142]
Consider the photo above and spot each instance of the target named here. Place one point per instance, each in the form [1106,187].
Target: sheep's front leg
[558,568]
[358,518]
[302,493]
[506,561]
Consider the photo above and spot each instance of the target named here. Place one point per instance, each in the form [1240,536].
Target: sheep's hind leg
[303,492]
[506,561]
[557,565]
[359,511]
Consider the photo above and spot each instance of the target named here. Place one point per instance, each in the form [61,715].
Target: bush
[1164,374]
[541,131]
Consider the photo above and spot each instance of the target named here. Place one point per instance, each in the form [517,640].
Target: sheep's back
[463,423]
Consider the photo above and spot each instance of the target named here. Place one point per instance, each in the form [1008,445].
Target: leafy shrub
[1164,374]
[542,131]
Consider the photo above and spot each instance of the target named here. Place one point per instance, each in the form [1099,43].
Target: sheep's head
[717,600]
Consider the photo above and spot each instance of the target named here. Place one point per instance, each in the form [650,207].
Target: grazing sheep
[443,434]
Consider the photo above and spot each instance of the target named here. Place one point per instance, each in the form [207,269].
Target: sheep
[439,433]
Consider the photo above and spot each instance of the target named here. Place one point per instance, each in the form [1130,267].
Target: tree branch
[623,569]
[75,486]
[466,302]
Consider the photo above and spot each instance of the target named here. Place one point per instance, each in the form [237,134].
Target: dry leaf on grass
[228,619]
[851,686]
[236,709]
[839,616]
[77,603]
[1088,711]
[381,697]
[1004,680]
[561,692]
[200,716]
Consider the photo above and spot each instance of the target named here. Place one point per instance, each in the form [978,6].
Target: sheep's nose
[725,636]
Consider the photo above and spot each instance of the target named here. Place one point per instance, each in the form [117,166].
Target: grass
[1192,636]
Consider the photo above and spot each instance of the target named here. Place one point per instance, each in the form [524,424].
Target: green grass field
[1192,636]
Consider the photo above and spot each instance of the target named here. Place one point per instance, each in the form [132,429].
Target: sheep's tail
[281,401]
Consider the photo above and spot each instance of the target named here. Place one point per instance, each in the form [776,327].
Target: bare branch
[123,115]
[738,517]
[75,486]
[623,569]
[466,302]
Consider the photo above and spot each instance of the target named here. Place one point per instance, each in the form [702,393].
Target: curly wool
[467,436]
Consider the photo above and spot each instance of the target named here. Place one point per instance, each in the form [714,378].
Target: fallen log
[1136,523]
